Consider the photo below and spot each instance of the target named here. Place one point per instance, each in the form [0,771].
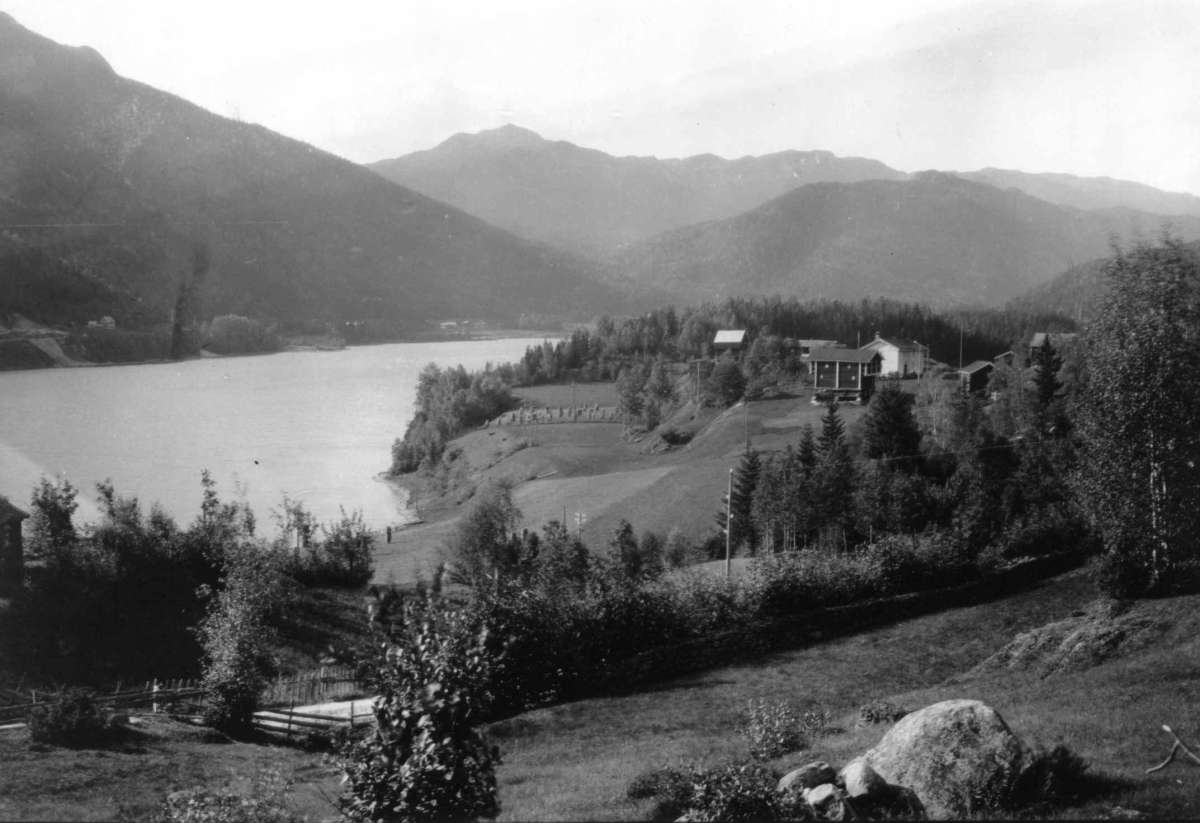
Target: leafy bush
[72,718]
[1055,776]
[235,636]
[264,803]
[773,729]
[342,557]
[234,334]
[675,437]
[880,711]
[670,788]
[741,792]
[426,758]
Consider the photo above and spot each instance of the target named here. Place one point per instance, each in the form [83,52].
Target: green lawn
[575,761]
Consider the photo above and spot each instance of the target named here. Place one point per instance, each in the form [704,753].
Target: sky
[1087,87]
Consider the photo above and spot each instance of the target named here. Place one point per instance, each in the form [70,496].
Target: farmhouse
[12,552]
[903,358]
[849,373]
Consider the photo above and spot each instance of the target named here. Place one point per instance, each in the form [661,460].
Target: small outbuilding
[973,377]
[12,549]
[731,340]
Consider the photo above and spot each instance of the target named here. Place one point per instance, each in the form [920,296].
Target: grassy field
[596,469]
[575,761]
[134,777]
[578,395]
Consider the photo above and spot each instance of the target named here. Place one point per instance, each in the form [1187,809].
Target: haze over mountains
[121,199]
[590,202]
[795,222]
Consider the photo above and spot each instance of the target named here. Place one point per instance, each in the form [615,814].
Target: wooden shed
[12,549]
[849,373]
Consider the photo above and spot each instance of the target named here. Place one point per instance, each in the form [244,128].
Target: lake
[316,425]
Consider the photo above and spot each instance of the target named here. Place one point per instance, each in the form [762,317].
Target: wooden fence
[155,694]
[321,685]
[288,722]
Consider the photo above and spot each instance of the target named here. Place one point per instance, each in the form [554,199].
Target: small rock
[808,776]
[861,780]
[827,801]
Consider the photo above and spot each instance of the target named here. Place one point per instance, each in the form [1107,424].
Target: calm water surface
[316,425]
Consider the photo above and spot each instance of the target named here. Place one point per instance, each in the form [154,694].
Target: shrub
[880,711]
[773,729]
[265,803]
[235,637]
[1055,776]
[671,790]
[426,757]
[72,718]
[675,437]
[740,792]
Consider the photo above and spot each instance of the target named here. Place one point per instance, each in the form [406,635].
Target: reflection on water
[317,426]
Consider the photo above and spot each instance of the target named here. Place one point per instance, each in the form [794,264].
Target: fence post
[288,734]
[154,697]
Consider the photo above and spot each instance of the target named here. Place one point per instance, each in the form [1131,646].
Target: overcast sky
[1090,87]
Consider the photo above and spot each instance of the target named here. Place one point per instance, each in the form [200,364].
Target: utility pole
[728,525]
[960,342]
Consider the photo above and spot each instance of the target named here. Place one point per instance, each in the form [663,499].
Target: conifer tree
[745,481]
[833,477]
[890,431]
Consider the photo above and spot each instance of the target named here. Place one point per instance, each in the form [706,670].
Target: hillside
[936,238]
[1075,293]
[1091,193]
[123,200]
[591,202]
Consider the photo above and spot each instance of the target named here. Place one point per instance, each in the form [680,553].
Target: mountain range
[593,203]
[120,199]
[935,237]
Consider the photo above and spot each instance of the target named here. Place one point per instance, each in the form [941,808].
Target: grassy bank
[574,761]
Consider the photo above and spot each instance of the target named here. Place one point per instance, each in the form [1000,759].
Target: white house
[900,357]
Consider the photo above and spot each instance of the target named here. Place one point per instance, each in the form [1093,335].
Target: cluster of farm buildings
[843,373]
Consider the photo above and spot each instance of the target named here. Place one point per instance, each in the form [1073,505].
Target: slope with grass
[574,761]
[595,470]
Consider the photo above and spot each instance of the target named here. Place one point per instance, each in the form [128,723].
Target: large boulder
[959,756]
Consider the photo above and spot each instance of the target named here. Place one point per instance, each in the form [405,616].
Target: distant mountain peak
[506,137]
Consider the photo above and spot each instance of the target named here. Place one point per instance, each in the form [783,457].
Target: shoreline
[204,354]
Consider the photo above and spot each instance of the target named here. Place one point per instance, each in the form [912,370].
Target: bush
[234,334]
[1055,776]
[426,758]
[741,792]
[235,636]
[263,804]
[880,711]
[72,718]
[671,790]
[773,729]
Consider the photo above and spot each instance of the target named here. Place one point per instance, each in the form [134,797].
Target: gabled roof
[977,366]
[902,343]
[9,512]
[842,355]
[730,337]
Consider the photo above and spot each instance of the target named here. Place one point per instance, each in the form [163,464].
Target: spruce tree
[890,431]
[833,478]
[745,481]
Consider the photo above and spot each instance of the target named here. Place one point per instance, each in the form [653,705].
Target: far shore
[66,362]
